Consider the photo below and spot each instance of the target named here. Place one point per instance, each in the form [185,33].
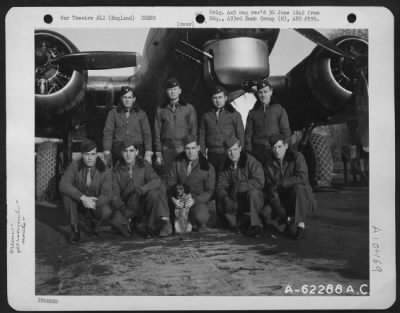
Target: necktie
[88,177]
[127,113]
[130,171]
[235,165]
[173,107]
[189,168]
[218,113]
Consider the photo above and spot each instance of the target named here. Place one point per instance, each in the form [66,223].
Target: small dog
[182,193]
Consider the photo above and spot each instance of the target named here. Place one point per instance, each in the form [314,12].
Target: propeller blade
[361,102]
[322,41]
[98,60]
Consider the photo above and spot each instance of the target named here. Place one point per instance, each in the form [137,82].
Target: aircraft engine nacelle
[331,79]
[57,88]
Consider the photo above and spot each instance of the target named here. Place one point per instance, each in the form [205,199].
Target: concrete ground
[335,251]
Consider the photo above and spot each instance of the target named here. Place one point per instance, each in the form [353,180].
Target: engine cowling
[321,87]
[332,78]
[57,89]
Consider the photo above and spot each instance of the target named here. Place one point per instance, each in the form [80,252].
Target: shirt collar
[194,162]
[92,170]
[126,166]
[176,104]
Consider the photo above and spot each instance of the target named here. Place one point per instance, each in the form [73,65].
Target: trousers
[199,214]
[169,155]
[147,208]
[260,152]
[72,207]
[295,201]
[217,160]
[250,202]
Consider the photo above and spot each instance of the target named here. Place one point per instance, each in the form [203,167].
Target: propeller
[322,41]
[98,60]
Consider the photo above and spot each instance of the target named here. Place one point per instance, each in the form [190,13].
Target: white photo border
[20,25]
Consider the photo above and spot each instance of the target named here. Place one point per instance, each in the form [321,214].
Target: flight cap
[88,145]
[263,83]
[230,142]
[171,83]
[189,139]
[126,89]
[217,89]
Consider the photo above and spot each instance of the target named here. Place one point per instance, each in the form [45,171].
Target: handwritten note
[377,263]
[17,231]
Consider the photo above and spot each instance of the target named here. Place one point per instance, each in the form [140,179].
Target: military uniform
[201,182]
[262,123]
[239,190]
[74,184]
[215,129]
[137,195]
[119,127]
[171,127]
[287,186]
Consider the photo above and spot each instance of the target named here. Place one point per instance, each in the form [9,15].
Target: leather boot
[94,225]
[166,229]
[75,234]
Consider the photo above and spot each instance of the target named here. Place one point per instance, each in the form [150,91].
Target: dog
[182,224]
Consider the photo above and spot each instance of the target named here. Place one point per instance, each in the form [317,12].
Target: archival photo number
[225,153]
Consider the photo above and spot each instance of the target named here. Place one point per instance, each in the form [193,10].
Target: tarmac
[335,252]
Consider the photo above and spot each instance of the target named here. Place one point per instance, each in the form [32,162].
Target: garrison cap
[171,83]
[126,89]
[263,83]
[230,142]
[88,145]
[126,144]
[217,89]
[189,139]
[276,137]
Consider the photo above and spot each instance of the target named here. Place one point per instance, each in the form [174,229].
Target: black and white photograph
[202,159]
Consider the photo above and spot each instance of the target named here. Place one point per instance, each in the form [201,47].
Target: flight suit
[261,125]
[137,195]
[214,131]
[118,128]
[201,182]
[171,128]
[287,187]
[73,185]
[240,190]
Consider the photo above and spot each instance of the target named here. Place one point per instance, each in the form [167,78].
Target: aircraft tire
[321,160]
[46,166]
